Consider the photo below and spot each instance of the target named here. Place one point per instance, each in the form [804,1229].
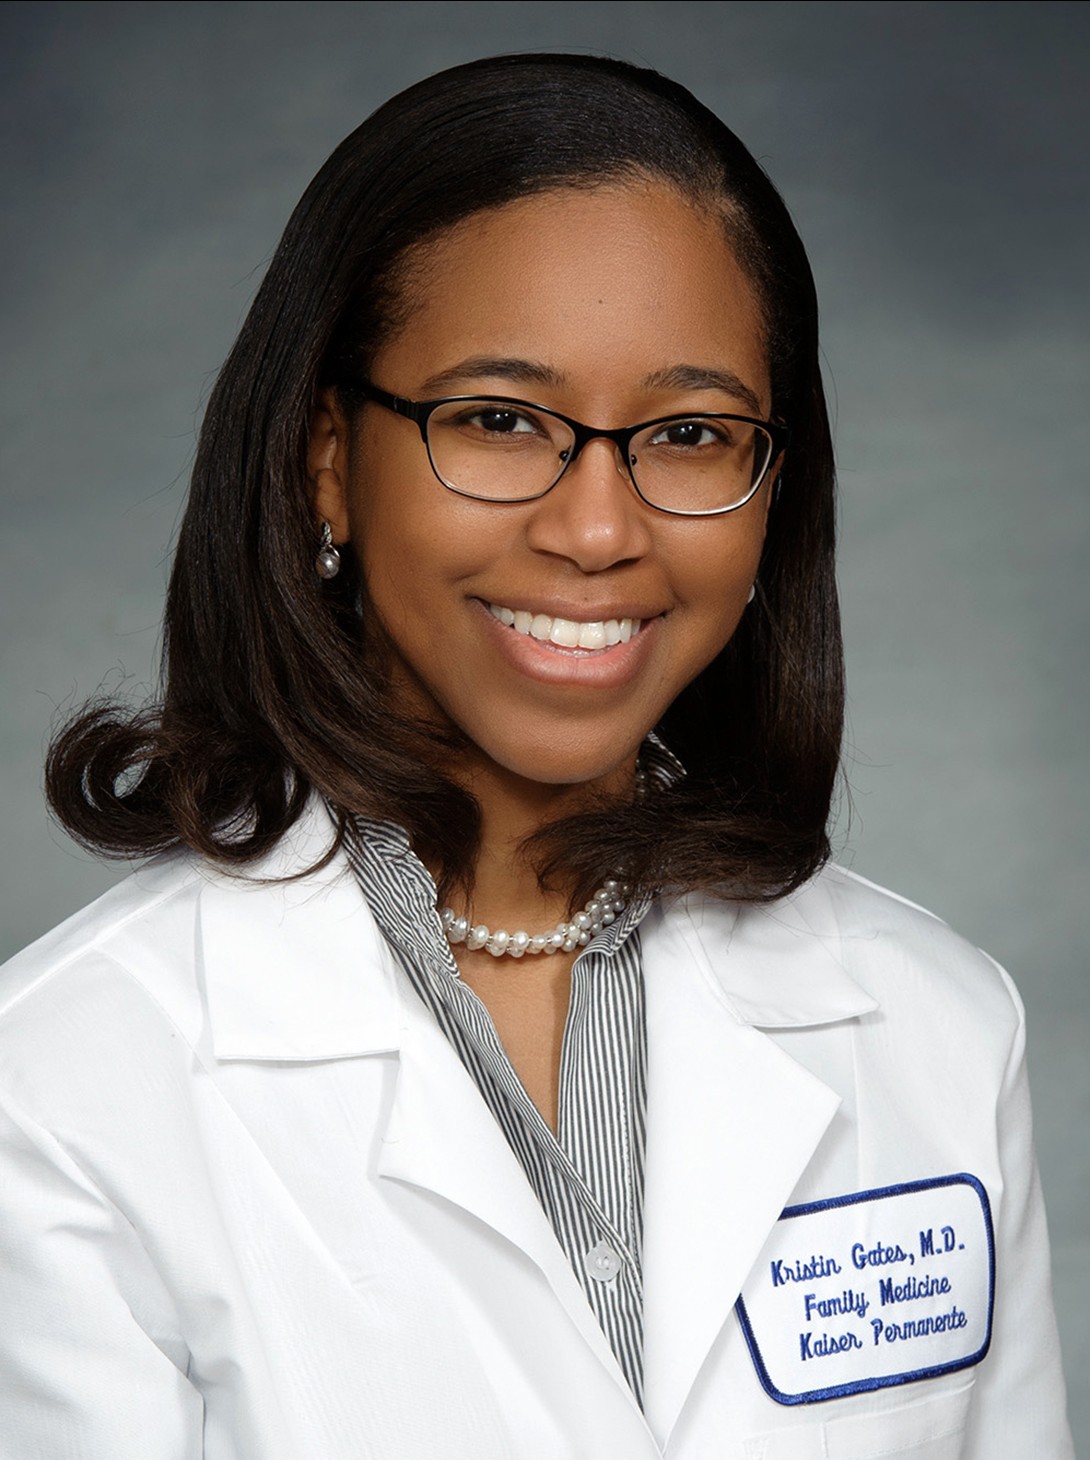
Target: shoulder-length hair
[267,692]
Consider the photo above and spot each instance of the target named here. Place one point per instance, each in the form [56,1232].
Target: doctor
[489,1065]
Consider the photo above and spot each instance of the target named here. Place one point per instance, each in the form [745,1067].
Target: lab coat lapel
[732,1121]
[441,1138]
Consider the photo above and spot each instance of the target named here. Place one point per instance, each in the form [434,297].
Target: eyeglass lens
[507,453]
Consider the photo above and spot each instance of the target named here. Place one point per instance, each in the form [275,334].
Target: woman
[487,1066]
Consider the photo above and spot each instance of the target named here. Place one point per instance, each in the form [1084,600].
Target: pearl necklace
[599,912]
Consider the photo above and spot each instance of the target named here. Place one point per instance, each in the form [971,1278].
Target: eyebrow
[534,372]
[499,367]
[702,377]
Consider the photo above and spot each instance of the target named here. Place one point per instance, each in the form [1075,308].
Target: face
[613,306]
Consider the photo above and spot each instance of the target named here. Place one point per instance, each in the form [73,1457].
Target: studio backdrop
[933,156]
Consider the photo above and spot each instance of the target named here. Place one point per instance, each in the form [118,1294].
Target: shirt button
[602,1263]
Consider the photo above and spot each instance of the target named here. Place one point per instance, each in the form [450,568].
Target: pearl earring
[328,562]
[752,593]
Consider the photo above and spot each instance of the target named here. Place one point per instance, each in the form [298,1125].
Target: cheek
[713,583]
[403,582]
[392,516]
[715,574]
[418,546]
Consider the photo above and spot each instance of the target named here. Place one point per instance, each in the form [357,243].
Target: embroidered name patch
[876,1288]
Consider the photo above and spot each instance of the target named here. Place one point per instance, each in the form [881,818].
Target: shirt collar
[402,895]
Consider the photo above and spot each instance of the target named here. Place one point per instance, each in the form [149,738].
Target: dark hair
[266,692]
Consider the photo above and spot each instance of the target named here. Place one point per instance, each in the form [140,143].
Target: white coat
[253,1208]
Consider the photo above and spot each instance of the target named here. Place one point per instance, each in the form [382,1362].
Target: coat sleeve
[1018,1405]
[90,1362]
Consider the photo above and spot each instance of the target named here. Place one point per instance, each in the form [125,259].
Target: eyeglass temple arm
[414,411]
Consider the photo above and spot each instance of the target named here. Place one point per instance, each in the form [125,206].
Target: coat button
[602,1262]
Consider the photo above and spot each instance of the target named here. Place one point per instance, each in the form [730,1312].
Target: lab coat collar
[299,970]
[778,965]
[296,970]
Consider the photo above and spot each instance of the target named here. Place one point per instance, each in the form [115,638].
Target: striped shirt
[588,1177]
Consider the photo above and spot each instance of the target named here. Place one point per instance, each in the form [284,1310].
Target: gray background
[933,156]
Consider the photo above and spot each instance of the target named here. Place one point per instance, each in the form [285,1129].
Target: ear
[328,465]
[775,485]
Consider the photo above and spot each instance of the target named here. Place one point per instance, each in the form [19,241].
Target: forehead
[604,287]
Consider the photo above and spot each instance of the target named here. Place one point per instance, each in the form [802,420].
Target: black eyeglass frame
[420,412]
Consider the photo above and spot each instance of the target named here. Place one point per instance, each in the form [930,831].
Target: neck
[505,887]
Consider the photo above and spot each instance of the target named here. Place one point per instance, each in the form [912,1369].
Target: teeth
[564,632]
[567,633]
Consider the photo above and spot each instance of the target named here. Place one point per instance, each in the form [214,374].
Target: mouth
[567,633]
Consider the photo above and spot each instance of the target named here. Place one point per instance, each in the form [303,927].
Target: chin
[562,764]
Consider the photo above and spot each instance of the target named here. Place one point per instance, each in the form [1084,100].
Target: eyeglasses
[497,449]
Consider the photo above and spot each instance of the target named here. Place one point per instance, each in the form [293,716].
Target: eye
[499,420]
[692,434]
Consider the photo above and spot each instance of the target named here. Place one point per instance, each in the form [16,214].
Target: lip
[609,667]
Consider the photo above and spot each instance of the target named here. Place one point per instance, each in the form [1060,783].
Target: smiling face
[555,633]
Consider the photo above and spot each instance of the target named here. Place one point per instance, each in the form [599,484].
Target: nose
[593,516]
